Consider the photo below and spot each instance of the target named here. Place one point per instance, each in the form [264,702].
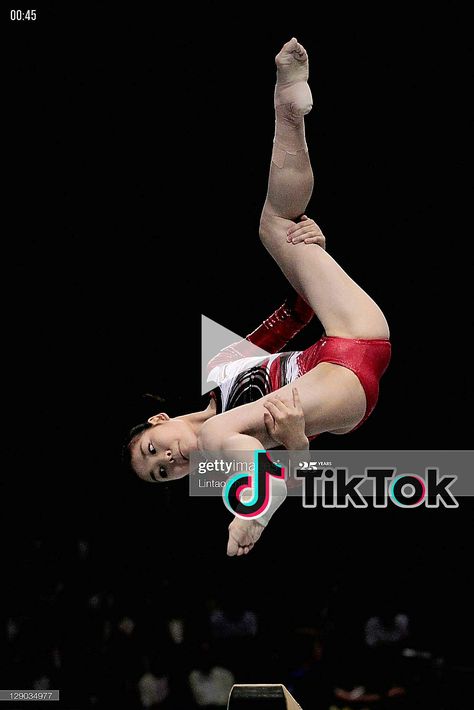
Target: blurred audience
[153,646]
[210,683]
[153,688]
[386,630]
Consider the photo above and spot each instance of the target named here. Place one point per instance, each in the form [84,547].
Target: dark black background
[139,148]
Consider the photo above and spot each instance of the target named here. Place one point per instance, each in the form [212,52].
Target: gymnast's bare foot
[292,88]
[243,534]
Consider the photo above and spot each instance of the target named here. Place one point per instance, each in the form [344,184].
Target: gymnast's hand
[307,231]
[284,421]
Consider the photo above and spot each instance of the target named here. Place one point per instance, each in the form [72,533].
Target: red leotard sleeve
[272,335]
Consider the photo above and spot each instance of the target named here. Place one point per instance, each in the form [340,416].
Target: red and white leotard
[242,380]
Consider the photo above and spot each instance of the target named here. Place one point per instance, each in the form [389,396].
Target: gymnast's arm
[284,422]
[243,534]
[272,335]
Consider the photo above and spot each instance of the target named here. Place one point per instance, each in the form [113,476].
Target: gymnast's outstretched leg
[343,308]
[332,397]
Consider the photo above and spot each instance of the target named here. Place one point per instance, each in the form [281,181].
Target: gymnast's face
[161,453]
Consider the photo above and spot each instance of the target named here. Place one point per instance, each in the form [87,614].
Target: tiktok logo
[257,483]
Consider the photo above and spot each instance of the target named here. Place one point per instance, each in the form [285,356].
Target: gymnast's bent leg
[343,308]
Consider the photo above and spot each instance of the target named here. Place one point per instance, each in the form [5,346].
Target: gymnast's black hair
[149,404]
[127,444]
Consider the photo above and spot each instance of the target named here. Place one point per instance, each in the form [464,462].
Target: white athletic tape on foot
[278,495]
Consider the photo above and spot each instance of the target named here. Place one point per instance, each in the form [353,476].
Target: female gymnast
[287,398]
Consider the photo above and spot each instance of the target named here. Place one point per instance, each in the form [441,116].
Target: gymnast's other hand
[284,421]
[307,231]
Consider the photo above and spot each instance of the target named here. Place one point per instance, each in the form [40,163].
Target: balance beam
[261,697]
